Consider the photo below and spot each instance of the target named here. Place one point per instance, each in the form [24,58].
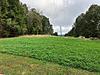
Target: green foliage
[55,34]
[34,22]
[47,27]
[77,53]
[18,65]
[88,24]
[16,19]
[38,24]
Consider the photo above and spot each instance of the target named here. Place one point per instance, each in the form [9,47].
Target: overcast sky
[61,12]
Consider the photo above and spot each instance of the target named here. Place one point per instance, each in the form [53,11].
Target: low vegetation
[69,52]
[17,65]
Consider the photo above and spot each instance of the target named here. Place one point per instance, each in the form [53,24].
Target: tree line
[16,19]
[87,24]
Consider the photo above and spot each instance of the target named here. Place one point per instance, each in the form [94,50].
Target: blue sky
[61,12]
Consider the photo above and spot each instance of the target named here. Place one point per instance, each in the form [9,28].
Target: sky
[61,12]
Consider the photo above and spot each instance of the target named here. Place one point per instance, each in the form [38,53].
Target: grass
[69,52]
[18,65]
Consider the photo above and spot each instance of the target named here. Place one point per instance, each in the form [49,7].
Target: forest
[87,24]
[16,19]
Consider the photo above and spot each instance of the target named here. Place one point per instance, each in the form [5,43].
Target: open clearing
[67,52]
[18,65]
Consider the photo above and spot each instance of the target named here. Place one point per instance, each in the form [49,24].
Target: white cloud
[61,12]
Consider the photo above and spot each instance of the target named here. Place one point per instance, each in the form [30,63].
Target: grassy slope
[78,53]
[17,65]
